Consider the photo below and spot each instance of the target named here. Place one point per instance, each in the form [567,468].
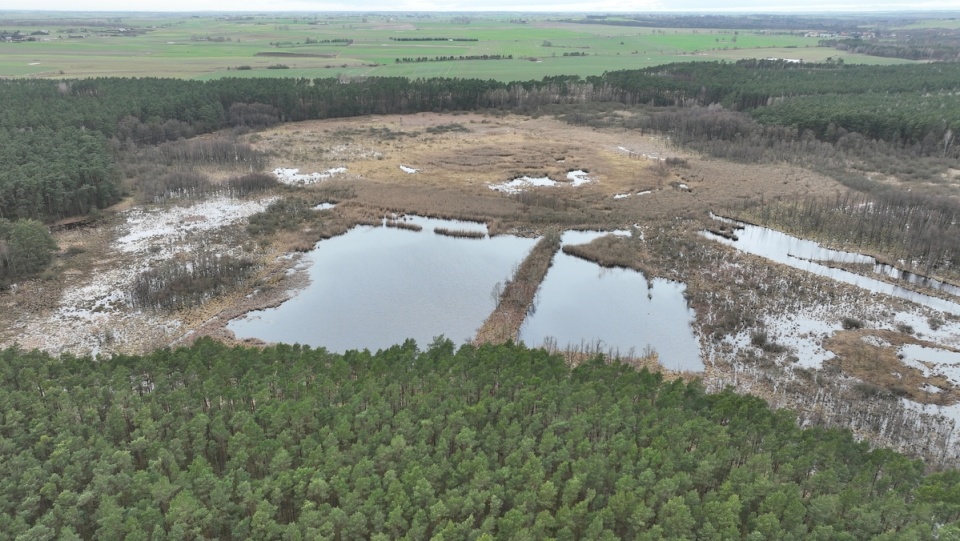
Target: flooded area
[806,255]
[932,361]
[377,286]
[583,305]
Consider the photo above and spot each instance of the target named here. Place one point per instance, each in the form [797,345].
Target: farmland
[210,46]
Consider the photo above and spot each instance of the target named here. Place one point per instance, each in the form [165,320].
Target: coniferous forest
[491,442]
[484,442]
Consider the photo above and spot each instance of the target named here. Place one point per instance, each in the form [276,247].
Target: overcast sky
[755,6]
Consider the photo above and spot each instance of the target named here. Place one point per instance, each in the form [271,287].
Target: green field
[210,47]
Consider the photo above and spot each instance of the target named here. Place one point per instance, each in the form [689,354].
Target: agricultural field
[208,46]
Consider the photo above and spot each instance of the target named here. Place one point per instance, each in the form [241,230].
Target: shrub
[179,284]
[26,248]
[850,323]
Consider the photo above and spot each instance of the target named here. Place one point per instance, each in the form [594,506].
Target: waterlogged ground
[840,354]
[90,313]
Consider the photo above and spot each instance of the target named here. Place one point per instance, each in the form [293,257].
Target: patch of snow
[804,334]
[409,170]
[932,361]
[622,195]
[294,177]
[325,206]
[518,185]
[168,225]
[645,192]
[949,412]
[578,177]
[573,236]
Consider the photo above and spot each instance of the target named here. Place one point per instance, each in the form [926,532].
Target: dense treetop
[495,442]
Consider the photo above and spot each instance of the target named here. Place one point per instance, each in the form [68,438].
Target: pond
[377,286]
[806,255]
[583,305]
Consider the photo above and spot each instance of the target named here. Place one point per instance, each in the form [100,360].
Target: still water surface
[377,286]
[581,304]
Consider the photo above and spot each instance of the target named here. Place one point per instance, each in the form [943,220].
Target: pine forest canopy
[495,442]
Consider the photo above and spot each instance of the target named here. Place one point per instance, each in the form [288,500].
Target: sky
[713,6]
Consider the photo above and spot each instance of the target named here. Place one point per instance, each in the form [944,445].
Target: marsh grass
[880,366]
[400,224]
[460,233]
[516,298]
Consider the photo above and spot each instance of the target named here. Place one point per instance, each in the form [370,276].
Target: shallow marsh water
[806,255]
[581,304]
[374,287]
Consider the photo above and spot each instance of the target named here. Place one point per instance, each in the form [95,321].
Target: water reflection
[377,286]
[804,254]
[581,304]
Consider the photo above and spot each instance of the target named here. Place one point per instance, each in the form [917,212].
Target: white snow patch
[579,178]
[409,170]
[325,206]
[294,177]
[518,185]
[932,361]
[622,195]
[804,334]
[169,225]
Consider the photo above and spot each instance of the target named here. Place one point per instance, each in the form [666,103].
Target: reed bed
[460,233]
[515,298]
[399,224]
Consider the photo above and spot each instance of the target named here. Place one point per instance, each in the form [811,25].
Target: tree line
[63,138]
[434,39]
[489,442]
[452,58]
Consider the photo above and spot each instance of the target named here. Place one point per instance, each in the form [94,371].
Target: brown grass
[880,366]
[399,224]
[460,233]
[517,295]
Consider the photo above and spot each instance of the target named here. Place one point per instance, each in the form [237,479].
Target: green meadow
[209,46]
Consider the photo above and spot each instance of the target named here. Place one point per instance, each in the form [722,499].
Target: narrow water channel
[805,255]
